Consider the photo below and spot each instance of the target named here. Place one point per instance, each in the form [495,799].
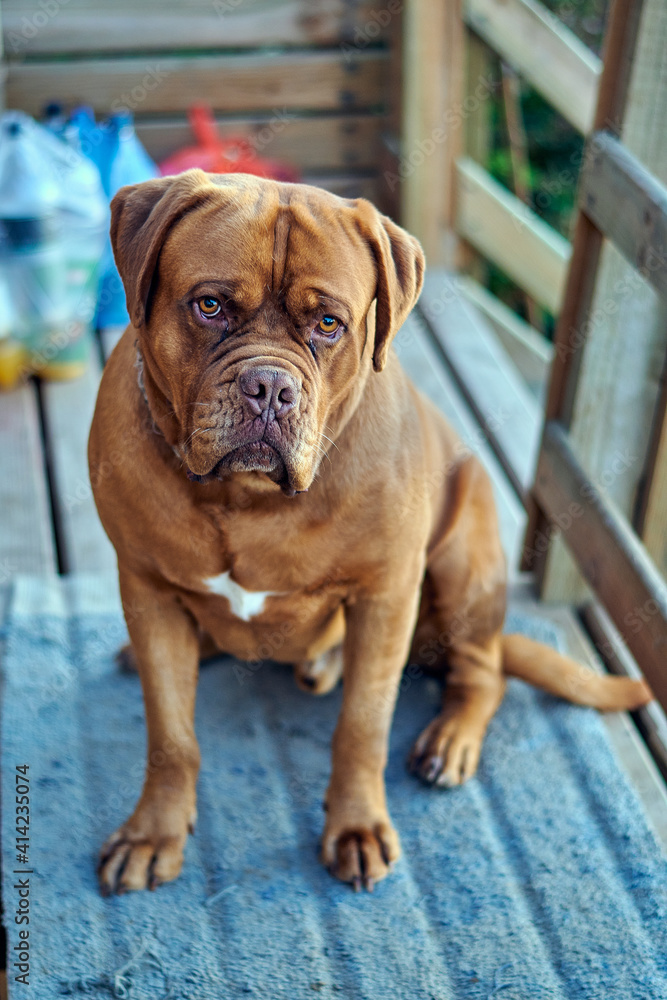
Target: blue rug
[539,879]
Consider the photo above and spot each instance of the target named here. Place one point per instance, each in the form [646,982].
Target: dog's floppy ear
[141,216]
[400,274]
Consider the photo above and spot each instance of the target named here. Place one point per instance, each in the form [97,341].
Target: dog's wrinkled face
[252,300]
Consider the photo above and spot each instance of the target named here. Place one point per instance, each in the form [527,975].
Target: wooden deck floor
[49,523]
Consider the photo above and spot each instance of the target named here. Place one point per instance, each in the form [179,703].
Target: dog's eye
[209,307]
[328,325]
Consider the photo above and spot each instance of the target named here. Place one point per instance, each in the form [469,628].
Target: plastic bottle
[96,142]
[12,353]
[127,162]
[85,219]
[130,162]
[32,255]
[84,214]
[54,119]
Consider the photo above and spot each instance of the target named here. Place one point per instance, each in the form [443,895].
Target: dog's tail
[545,668]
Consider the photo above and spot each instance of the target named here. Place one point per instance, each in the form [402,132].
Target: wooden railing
[546,53]
[472,204]
[600,485]
[493,219]
[470,209]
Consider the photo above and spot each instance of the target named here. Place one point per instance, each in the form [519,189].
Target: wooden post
[389,190]
[3,70]
[433,123]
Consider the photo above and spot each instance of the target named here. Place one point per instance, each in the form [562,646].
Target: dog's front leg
[148,848]
[359,843]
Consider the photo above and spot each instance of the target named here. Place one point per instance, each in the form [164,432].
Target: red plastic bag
[222,156]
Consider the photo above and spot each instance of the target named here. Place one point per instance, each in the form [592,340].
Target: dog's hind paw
[447,752]
[126,660]
[321,675]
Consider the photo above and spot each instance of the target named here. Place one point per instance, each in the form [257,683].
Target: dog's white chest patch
[245,604]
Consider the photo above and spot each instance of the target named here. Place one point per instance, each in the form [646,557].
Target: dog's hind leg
[459,630]
[322,666]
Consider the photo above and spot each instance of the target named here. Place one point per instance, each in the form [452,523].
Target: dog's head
[252,301]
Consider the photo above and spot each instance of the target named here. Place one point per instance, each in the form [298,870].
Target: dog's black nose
[269,388]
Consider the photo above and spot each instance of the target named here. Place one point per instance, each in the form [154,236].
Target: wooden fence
[600,484]
[304,80]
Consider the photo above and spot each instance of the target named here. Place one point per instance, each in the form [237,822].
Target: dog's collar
[139,365]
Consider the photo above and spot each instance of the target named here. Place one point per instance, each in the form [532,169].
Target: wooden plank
[482,72]
[651,720]
[480,68]
[388,197]
[529,350]
[68,414]
[494,220]
[610,337]
[640,768]
[422,362]
[122,26]
[572,329]
[506,410]
[651,521]
[630,750]
[3,69]
[331,142]
[27,543]
[238,82]
[431,141]
[628,204]
[541,48]
[609,554]
[346,185]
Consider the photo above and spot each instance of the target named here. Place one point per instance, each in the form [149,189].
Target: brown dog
[262,464]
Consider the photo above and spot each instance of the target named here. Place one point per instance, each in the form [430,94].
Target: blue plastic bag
[121,159]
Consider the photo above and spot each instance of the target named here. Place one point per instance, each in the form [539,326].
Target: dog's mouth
[255,456]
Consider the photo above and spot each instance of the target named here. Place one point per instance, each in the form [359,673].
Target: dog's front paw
[361,853]
[146,851]
[447,752]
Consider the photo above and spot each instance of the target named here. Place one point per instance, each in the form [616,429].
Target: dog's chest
[260,557]
[255,624]
[256,578]
[243,604]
